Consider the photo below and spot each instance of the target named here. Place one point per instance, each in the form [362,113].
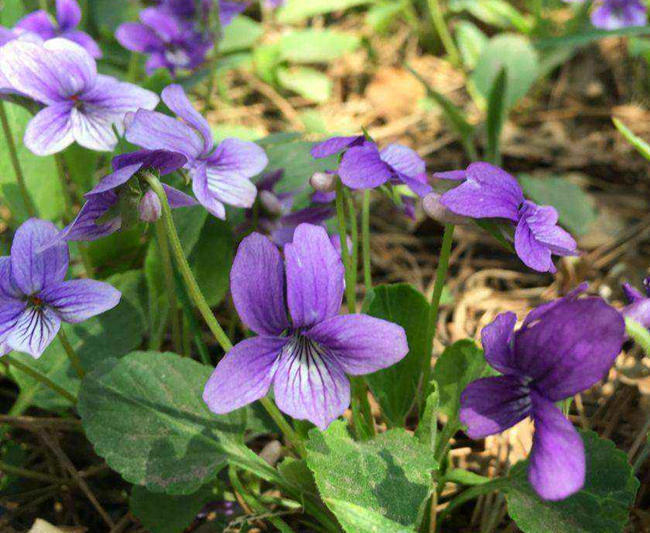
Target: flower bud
[434,209]
[150,208]
[323,181]
[271,203]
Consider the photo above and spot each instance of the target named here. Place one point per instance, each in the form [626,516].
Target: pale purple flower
[169,42]
[562,348]
[616,14]
[7,35]
[79,104]
[638,304]
[68,17]
[103,213]
[35,299]
[487,191]
[221,174]
[307,354]
[336,145]
[274,4]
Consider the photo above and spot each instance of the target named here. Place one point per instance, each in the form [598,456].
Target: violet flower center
[304,350]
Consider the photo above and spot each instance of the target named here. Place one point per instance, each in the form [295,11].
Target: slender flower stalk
[41,378]
[170,285]
[443,32]
[365,241]
[67,196]
[15,162]
[72,355]
[354,233]
[186,272]
[292,437]
[434,308]
[345,253]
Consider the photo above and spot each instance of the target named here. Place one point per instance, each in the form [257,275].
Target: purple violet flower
[34,299]
[305,357]
[336,145]
[104,210]
[170,42]
[273,4]
[487,191]
[68,17]
[616,14]
[7,35]
[186,9]
[562,348]
[220,174]
[638,305]
[80,105]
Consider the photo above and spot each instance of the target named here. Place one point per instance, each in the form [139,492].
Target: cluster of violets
[617,14]
[287,285]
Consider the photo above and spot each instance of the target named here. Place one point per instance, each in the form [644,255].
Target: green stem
[15,162]
[443,32]
[72,355]
[41,378]
[29,474]
[345,254]
[473,492]
[183,266]
[640,334]
[194,326]
[292,437]
[434,308]
[170,285]
[132,72]
[354,234]
[60,171]
[365,241]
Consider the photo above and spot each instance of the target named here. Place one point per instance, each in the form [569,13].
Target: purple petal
[315,276]
[175,98]
[204,195]
[638,311]
[34,330]
[78,300]
[614,14]
[38,22]
[229,10]
[138,38]
[8,289]
[631,294]
[156,131]
[335,145]
[230,188]
[257,286]
[165,25]
[488,192]
[323,197]
[178,198]
[497,338]
[418,184]
[310,384]
[244,374]
[50,131]
[362,168]
[32,269]
[68,14]
[404,160]
[85,41]
[234,157]
[149,208]
[161,160]
[93,129]
[10,311]
[454,175]
[362,344]
[114,180]
[557,459]
[492,405]
[433,208]
[541,310]
[571,347]
[85,226]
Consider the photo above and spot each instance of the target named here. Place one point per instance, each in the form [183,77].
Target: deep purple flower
[170,43]
[638,305]
[34,299]
[220,174]
[186,9]
[336,145]
[80,105]
[562,348]
[104,210]
[305,357]
[68,17]
[487,191]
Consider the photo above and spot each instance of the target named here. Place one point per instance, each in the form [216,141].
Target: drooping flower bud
[150,208]
[323,181]
[434,209]
[271,203]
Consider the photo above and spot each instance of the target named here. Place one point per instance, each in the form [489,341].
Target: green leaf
[316,46]
[575,206]
[40,173]
[494,12]
[111,334]
[163,513]
[145,415]
[382,15]
[395,388]
[496,114]
[459,365]
[307,82]
[639,144]
[602,506]
[471,42]
[517,56]
[266,58]
[242,33]
[587,37]
[157,296]
[12,11]
[296,474]
[427,430]
[297,10]
[81,164]
[360,520]
[389,475]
